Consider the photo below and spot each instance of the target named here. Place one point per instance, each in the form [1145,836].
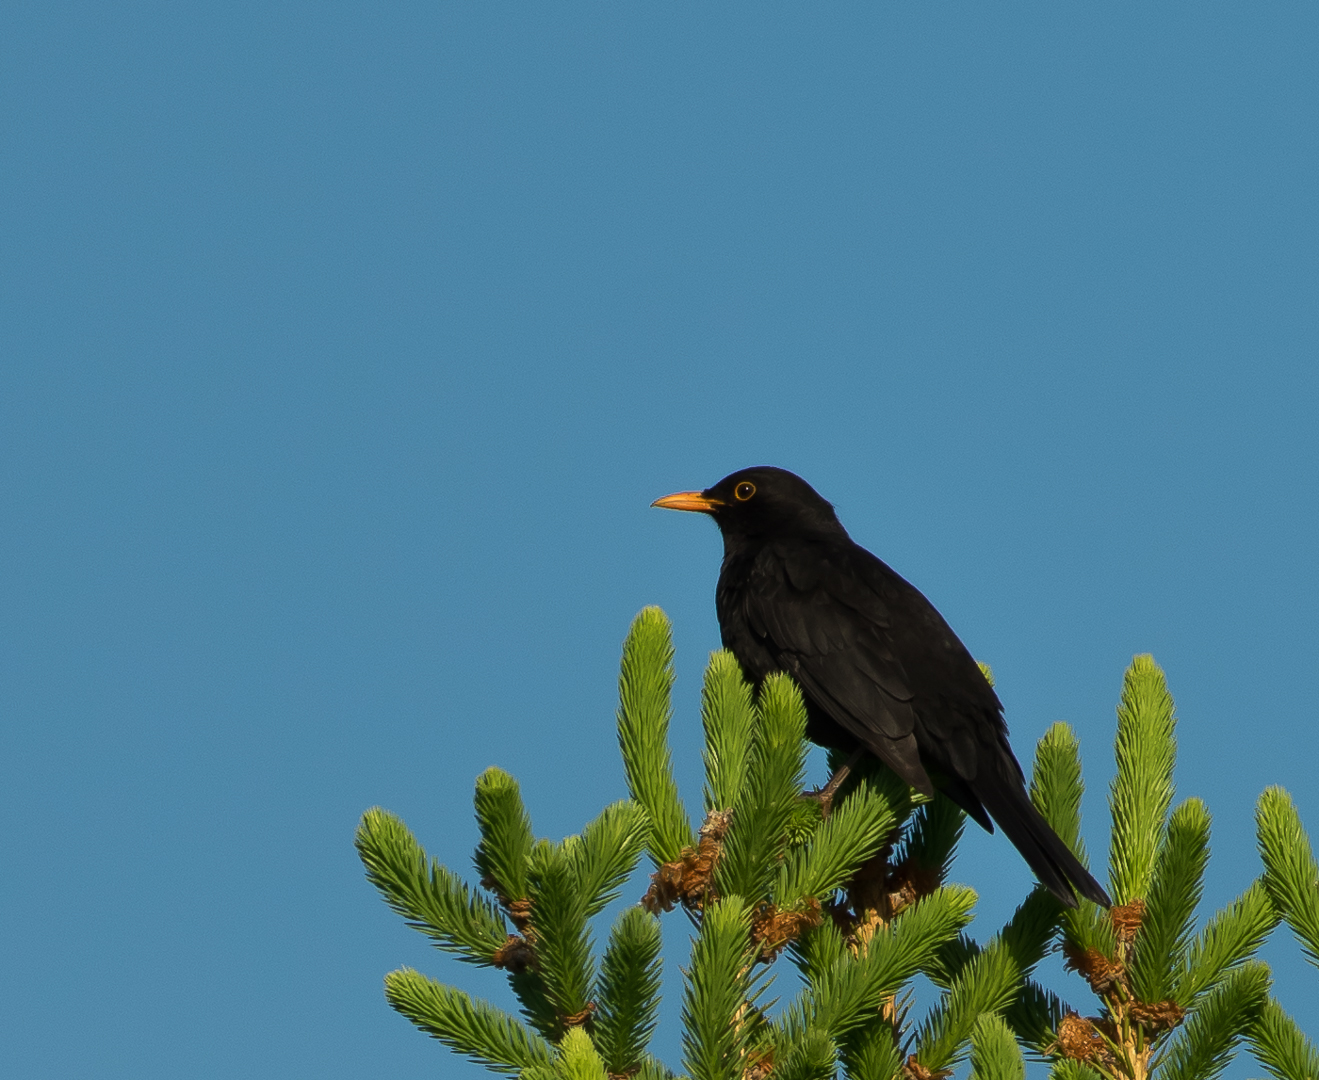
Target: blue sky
[343,348]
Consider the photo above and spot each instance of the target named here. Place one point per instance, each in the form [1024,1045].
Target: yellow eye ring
[744,491]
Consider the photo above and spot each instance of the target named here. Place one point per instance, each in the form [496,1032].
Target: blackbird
[879,668]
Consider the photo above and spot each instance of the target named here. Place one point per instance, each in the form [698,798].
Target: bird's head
[761,501]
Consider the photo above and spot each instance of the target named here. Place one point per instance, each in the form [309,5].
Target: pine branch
[1206,1044]
[1169,919]
[994,1052]
[1056,786]
[645,684]
[1035,1016]
[817,949]
[871,1053]
[1056,789]
[987,985]
[1088,926]
[814,1058]
[429,896]
[1280,1047]
[933,834]
[578,1059]
[562,939]
[850,990]
[538,1008]
[628,992]
[1142,791]
[770,795]
[476,1029]
[1231,937]
[1027,936]
[608,852]
[1030,931]
[1291,875]
[949,960]
[777,847]
[714,1042]
[506,839]
[1067,1069]
[854,832]
[1032,1012]
[729,719]
[654,1069]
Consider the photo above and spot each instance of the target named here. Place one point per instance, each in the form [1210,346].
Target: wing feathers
[875,657]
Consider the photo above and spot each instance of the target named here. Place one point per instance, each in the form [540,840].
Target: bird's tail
[1052,860]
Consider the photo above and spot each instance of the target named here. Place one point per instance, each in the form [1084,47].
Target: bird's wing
[875,655]
[831,633]
[959,717]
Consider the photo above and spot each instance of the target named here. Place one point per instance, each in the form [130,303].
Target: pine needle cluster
[856,902]
[1171,1002]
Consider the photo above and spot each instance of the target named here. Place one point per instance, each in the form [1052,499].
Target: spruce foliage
[628,992]
[1143,789]
[857,902]
[1171,1003]
[1291,879]
[645,684]
[994,1052]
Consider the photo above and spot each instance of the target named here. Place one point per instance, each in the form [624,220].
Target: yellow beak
[688,500]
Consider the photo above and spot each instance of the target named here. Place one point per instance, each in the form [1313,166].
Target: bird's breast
[753,653]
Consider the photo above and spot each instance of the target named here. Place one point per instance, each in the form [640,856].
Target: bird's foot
[825,795]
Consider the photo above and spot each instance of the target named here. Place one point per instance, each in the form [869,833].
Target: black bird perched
[880,669]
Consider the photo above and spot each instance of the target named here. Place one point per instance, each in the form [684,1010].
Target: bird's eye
[744,491]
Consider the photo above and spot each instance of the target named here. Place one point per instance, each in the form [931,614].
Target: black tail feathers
[1057,868]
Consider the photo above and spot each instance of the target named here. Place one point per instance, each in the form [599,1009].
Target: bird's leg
[825,795]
